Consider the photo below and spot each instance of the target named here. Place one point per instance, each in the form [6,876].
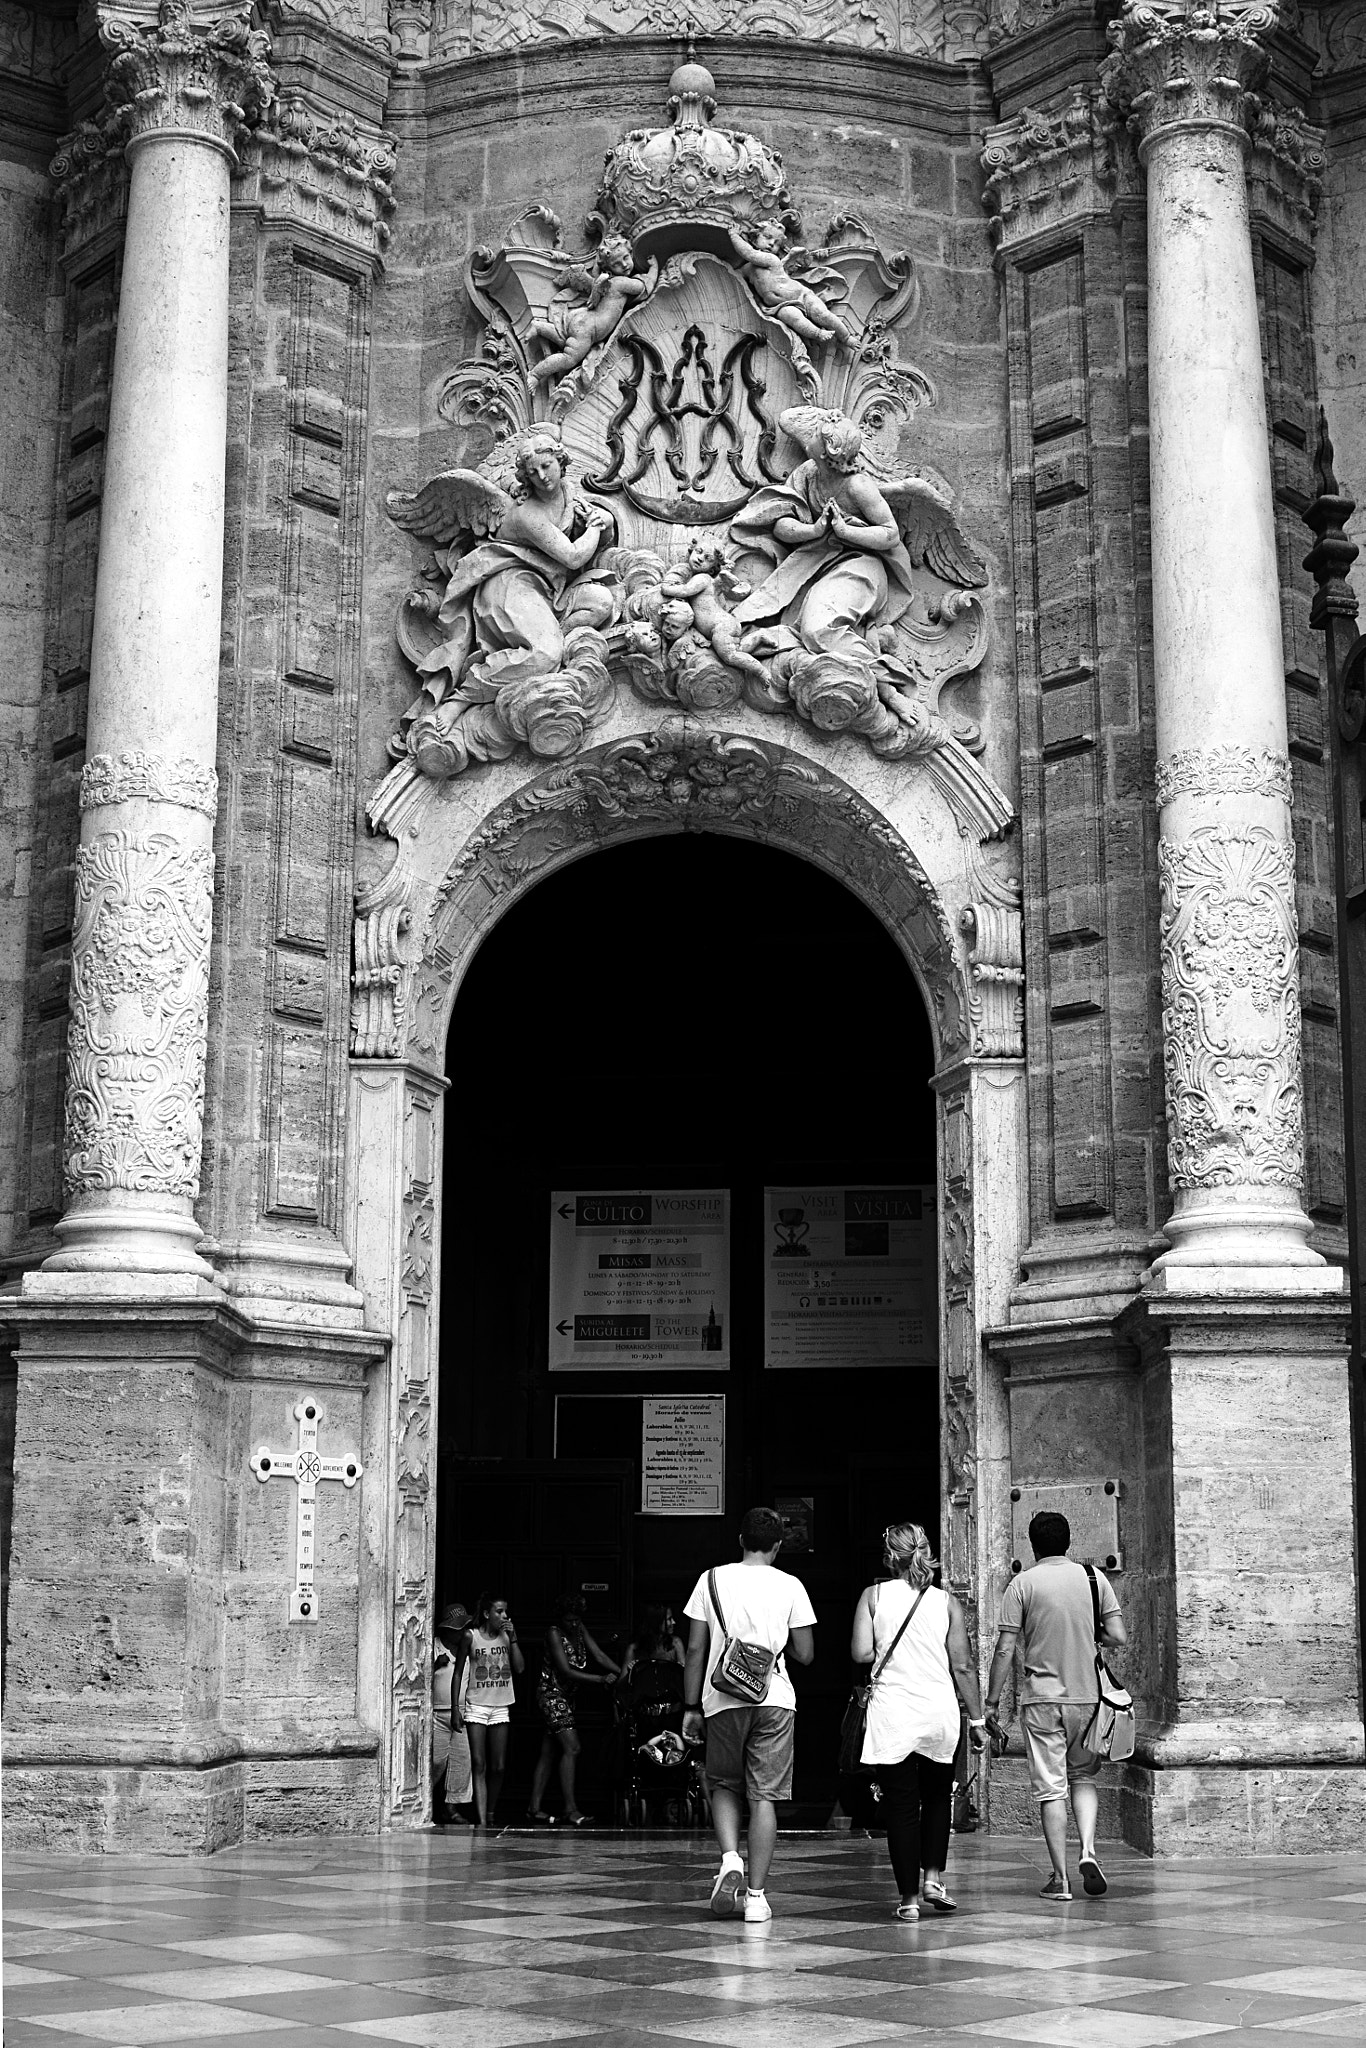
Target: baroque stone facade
[601,420]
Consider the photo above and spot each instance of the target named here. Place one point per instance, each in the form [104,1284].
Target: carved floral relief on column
[958,1347]
[412,1423]
[184,781]
[1231,1008]
[212,85]
[139,1014]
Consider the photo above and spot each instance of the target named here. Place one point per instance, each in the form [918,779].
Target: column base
[1220,1810]
[108,1809]
[1252,1229]
[120,1240]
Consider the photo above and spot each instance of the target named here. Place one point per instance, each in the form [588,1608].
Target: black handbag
[854,1726]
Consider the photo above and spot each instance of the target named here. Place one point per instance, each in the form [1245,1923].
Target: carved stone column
[144,878]
[1230,964]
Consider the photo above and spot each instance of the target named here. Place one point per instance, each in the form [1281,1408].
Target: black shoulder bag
[854,1726]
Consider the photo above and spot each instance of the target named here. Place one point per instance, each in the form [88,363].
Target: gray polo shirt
[1050,1605]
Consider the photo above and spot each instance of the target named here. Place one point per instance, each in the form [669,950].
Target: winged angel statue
[519,653]
[811,605]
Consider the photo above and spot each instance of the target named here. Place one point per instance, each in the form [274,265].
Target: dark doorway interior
[682,1012]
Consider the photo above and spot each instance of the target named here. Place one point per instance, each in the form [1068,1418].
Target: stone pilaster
[144,874]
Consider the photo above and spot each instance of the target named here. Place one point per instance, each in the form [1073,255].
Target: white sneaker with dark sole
[725,1892]
[1058,1890]
[757,1909]
[1092,1878]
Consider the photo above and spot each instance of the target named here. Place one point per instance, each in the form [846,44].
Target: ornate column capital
[172,78]
[1187,64]
[328,175]
[1046,168]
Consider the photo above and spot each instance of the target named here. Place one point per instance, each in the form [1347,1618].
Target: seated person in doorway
[452,1781]
[564,1667]
[656,1640]
[491,1650]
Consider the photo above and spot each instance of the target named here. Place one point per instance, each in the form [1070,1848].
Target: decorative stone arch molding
[950,904]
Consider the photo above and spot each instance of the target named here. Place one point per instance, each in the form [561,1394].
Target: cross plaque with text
[308,1468]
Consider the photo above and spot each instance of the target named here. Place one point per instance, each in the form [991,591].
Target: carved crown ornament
[686,436]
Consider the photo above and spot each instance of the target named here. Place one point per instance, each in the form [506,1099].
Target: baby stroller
[661,1779]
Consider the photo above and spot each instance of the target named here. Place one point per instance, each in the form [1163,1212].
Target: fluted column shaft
[1230,956]
[144,874]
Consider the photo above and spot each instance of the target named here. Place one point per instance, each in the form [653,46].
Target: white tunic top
[914,1705]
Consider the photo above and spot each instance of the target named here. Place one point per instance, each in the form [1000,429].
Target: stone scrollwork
[214,83]
[1223,771]
[91,174]
[689,484]
[934,28]
[1286,165]
[139,1014]
[995,939]
[1231,1008]
[184,781]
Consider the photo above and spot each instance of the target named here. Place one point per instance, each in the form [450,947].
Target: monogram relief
[139,1014]
[1231,1009]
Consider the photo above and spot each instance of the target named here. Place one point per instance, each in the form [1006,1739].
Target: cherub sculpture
[844,548]
[799,308]
[521,653]
[706,584]
[573,332]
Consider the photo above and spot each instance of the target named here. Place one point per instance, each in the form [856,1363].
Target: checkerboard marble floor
[496,1941]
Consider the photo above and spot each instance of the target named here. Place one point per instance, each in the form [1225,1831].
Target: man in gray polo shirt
[1048,1611]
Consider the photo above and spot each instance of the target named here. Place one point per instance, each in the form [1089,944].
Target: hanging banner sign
[683,1456]
[640,1279]
[850,1277]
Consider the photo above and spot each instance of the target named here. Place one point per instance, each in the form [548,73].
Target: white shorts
[486,1717]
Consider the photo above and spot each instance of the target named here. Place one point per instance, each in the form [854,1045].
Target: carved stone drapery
[139,1015]
[172,78]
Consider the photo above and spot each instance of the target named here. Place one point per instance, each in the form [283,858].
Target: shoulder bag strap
[716,1604]
[882,1665]
[1090,1572]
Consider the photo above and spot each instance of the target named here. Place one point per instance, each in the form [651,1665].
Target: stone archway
[418,930]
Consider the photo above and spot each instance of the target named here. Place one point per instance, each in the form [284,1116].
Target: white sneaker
[725,1892]
[757,1908]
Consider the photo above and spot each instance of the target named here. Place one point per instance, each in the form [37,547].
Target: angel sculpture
[521,653]
[844,548]
[573,332]
[799,308]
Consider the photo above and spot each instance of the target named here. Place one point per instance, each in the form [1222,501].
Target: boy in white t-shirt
[749,1748]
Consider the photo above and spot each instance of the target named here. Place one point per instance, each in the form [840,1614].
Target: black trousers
[917,1800]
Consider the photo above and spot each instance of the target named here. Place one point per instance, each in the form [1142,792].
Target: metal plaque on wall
[1092,1510]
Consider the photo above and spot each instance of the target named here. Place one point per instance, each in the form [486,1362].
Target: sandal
[908,1910]
[539,1820]
[936,1896]
[579,1820]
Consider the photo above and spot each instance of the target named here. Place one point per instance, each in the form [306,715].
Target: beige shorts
[749,1750]
[1052,1736]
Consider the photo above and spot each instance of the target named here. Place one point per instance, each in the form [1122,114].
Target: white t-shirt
[761,1604]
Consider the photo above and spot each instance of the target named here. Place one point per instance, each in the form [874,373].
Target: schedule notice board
[640,1279]
[851,1277]
[683,1455]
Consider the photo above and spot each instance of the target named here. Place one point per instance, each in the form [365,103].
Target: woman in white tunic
[911,1734]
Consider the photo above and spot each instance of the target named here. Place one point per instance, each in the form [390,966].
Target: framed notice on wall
[640,1279]
[850,1277]
[683,1455]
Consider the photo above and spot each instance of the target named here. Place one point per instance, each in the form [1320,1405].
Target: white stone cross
[309,1469]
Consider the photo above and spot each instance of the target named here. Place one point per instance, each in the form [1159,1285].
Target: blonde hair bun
[906,1548]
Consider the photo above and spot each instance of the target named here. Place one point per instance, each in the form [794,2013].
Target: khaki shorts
[1052,1736]
[749,1749]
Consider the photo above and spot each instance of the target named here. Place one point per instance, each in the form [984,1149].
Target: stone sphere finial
[693,81]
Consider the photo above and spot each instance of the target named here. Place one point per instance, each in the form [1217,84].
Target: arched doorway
[689,1012]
